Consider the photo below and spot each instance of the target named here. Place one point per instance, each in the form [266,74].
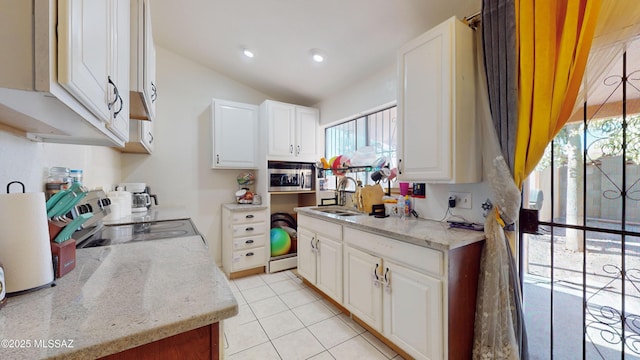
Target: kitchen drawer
[241,217]
[250,258]
[249,229]
[327,228]
[418,257]
[249,242]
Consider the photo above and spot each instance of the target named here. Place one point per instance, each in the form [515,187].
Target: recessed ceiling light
[317,56]
[248,53]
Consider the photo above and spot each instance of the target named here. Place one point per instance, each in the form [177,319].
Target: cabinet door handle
[374,277]
[217,158]
[150,137]
[400,166]
[249,217]
[291,149]
[387,282]
[154,92]
[250,254]
[117,97]
[250,228]
[298,150]
[249,241]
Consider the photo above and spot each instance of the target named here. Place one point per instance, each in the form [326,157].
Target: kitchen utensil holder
[64,257]
[64,253]
[54,228]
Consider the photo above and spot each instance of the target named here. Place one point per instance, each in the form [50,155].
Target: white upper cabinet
[66,79]
[143,62]
[83,53]
[234,134]
[119,120]
[140,137]
[93,58]
[281,122]
[291,131]
[306,125]
[436,106]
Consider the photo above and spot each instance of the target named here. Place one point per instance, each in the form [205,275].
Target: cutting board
[371,195]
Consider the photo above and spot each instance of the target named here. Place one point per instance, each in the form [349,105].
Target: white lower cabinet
[420,300]
[412,308]
[245,244]
[402,301]
[320,255]
[362,290]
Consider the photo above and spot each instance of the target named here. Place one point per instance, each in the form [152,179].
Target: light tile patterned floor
[281,318]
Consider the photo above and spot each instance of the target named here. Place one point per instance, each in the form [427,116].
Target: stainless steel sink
[338,210]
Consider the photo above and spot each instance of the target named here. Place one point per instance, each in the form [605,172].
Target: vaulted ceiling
[357,38]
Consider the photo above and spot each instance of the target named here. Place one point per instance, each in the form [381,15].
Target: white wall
[29,162]
[370,94]
[179,170]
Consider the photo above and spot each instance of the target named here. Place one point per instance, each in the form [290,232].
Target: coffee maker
[140,196]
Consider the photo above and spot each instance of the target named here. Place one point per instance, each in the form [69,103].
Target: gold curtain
[553,40]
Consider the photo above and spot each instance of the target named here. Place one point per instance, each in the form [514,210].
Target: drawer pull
[249,216]
[250,241]
[250,228]
[249,254]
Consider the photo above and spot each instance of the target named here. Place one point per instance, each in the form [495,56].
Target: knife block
[64,257]
[64,253]
[54,228]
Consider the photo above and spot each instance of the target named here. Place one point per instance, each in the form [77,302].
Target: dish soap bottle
[407,206]
[400,205]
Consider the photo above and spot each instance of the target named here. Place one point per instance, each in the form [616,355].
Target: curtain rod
[473,19]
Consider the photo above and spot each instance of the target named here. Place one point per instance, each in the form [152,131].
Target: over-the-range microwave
[291,176]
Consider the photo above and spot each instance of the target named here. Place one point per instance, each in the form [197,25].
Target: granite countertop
[153,214]
[427,233]
[118,297]
[234,206]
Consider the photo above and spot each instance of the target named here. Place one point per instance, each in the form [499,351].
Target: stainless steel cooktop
[145,231]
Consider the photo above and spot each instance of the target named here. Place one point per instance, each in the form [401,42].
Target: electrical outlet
[463,200]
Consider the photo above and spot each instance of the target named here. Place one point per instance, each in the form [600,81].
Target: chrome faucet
[341,189]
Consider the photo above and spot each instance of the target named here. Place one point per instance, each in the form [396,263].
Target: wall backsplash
[29,162]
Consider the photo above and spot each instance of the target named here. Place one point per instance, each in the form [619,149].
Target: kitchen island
[128,298]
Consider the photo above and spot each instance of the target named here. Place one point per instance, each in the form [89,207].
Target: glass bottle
[59,179]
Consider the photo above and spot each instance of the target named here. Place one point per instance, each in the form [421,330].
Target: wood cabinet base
[247,272]
[201,343]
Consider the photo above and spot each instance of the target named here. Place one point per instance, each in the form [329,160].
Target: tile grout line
[293,277]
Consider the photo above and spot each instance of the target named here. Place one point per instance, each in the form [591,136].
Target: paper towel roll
[25,249]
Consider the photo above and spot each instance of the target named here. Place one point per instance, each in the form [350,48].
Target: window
[378,129]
